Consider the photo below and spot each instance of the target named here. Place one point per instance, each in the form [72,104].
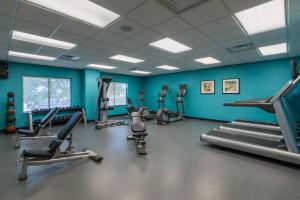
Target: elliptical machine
[165,116]
[103,106]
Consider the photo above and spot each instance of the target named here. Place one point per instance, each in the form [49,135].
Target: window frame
[49,94]
[114,99]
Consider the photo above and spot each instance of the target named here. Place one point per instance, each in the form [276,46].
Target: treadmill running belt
[247,128]
[255,122]
[245,139]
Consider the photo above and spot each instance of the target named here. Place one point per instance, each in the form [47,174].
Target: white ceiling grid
[208,28]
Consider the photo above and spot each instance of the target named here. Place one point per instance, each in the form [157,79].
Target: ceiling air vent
[69,58]
[241,47]
[180,6]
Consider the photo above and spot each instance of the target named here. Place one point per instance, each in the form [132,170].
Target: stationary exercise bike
[145,113]
[165,116]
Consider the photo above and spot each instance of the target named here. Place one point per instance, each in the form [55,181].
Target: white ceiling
[208,28]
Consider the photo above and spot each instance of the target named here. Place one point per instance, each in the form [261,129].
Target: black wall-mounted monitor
[3,70]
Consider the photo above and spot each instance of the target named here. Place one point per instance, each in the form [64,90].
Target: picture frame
[231,86]
[207,87]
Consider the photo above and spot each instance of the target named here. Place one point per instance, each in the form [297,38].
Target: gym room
[149,99]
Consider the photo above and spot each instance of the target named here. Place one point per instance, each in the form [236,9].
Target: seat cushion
[31,153]
[26,132]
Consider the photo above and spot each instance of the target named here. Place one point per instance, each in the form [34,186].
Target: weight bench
[53,153]
[38,132]
[139,133]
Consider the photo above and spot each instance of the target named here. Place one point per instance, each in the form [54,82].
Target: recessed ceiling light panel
[273,49]
[26,37]
[140,72]
[30,56]
[126,59]
[82,10]
[170,45]
[264,17]
[101,66]
[167,67]
[207,60]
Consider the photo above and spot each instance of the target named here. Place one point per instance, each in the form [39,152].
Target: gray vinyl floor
[178,167]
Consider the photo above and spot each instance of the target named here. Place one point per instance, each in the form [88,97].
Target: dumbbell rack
[64,114]
[11,112]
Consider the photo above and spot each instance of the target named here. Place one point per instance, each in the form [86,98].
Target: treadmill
[259,129]
[284,150]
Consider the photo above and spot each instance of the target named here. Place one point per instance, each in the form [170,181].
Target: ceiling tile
[18,59]
[172,27]
[27,27]
[7,7]
[68,37]
[192,54]
[239,5]
[108,37]
[273,57]
[219,26]
[119,6]
[235,42]
[53,52]
[4,42]
[45,18]
[270,34]
[187,36]
[5,33]
[142,56]
[229,35]
[203,42]
[5,22]
[79,28]
[150,14]
[129,44]
[28,47]
[116,27]
[270,41]
[248,54]
[117,50]
[148,36]
[81,51]
[152,51]
[206,12]
[94,44]
[211,50]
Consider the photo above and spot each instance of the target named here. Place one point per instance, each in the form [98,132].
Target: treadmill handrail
[268,101]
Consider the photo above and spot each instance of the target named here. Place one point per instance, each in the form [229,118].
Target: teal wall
[90,91]
[134,85]
[258,80]
[14,84]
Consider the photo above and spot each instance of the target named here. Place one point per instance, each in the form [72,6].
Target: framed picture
[231,86]
[208,87]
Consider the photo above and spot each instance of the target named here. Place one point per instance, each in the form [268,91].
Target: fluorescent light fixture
[140,72]
[264,17]
[126,59]
[30,56]
[26,37]
[82,10]
[101,66]
[167,67]
[170,45]
[207,60]
[273,49]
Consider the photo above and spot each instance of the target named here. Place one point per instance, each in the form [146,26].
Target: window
[117,94]
[40,92]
